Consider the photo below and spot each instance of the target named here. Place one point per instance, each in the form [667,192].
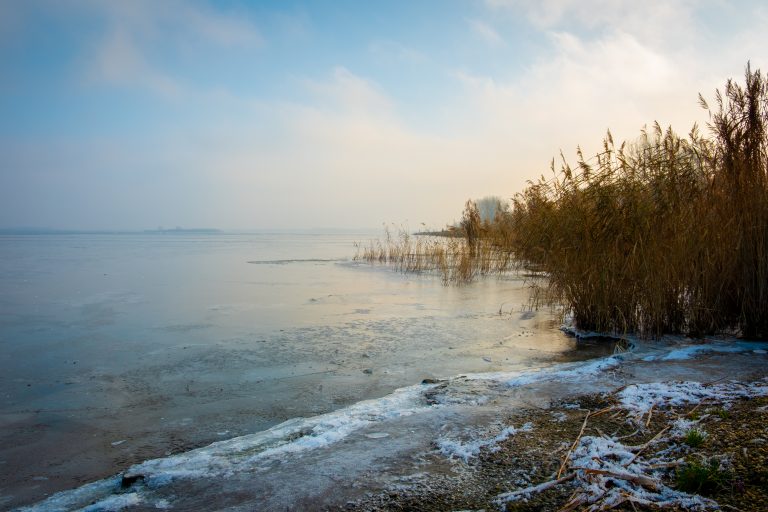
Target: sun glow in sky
[287,114]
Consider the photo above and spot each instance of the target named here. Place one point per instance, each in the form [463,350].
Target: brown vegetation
[458,259]
[664,234]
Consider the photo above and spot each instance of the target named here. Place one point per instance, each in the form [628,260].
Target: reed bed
[665,234]
[457,258]
[662,234]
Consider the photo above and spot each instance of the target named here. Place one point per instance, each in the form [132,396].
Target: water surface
[119,348]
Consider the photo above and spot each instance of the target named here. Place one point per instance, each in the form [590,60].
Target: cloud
[143,37]
[119,61]
[394,51]
[217,28]
[178,21]
[581,89]
[655,22]
[615,64]
[486,33]
[340,149]
[348,92]
[344,155]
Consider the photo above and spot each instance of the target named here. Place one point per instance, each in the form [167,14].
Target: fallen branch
[689,413]
[573,503]
[573,447]
[671,464]
[645,481]
[511,496]
[650,414]
[628,435]
[642,448]
[602,411]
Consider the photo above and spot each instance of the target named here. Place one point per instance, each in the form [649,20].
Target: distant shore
[183,231]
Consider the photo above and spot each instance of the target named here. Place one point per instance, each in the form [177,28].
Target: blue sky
[246,115]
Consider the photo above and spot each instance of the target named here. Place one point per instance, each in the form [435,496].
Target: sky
[334,114]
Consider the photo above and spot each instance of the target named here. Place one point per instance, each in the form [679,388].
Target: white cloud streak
[395,52]
[137,29]
[119,61]
[486,33]
[345,154]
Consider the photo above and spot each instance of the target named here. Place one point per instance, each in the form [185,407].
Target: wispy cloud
[394,51]
[297,140]
[140,31]
[119,61]
[179,21]
[346,92]
[486,33]
[217,28]
[653,21]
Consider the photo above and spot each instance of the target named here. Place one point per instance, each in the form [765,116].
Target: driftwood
[645,481]
[602,411]
[573,503]
[642,448]
[509,496]
[594,489]
[573,446]
[650,414]
[628,435]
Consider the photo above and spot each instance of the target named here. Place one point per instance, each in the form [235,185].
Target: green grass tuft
[699,478]
[694,438]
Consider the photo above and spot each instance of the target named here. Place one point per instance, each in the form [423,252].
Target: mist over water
[120,348]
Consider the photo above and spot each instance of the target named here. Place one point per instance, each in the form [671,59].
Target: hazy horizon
[243,115]
[42,230]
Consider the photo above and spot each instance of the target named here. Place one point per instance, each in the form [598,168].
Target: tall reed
[663,234]
[467,251]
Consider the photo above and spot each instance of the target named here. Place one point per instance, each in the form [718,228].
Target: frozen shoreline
[330,459]
[120,349]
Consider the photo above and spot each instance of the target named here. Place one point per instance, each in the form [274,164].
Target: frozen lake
[121,348]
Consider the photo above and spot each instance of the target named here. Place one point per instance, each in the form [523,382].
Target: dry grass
[664,234]
[457,259]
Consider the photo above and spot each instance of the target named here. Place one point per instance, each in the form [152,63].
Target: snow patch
[639,398]
[609,473]
[291,437]
[614,471]
[693,351]
[114,503]
[559,416]
[453,448]
[567,372]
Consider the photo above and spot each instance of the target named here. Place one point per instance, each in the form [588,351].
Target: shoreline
[452,443]
[567,457]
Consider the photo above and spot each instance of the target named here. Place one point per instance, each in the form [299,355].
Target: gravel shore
[706,453]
